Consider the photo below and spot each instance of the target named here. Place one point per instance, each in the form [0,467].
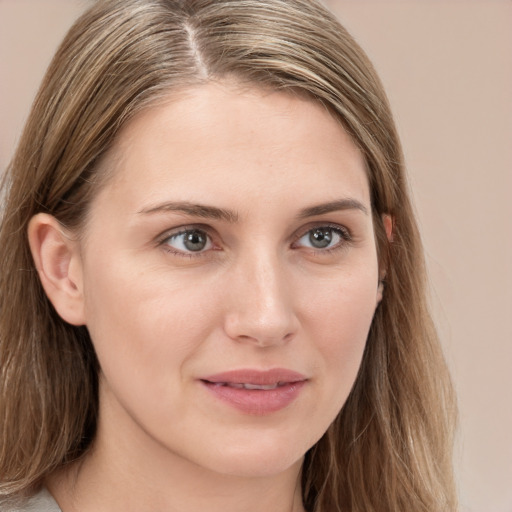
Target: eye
[190,240]
[323,237]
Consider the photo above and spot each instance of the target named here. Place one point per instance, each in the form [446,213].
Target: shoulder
[41,502]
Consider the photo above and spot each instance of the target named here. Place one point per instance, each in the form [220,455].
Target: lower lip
[257,402]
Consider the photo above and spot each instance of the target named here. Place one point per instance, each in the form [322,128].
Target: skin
[259,295]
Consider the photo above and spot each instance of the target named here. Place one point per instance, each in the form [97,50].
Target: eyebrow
[333,206]
[213,212]
[195,210]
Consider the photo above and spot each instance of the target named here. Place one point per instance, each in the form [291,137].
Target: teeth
[257,386]
[246,385]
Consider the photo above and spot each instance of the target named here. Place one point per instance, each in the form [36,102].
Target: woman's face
[230,276]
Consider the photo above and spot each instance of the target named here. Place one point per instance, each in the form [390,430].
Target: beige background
[447,66]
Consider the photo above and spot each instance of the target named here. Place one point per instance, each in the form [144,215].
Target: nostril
[288,336]
[264,339]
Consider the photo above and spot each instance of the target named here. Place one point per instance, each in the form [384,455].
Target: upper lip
[254,376]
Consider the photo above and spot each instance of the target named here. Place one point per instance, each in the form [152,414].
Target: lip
[287,385]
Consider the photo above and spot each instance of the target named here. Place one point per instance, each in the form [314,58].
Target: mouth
[256,392]
[255,379]
[247,385]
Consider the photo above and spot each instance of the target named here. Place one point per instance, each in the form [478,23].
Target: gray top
[41,502]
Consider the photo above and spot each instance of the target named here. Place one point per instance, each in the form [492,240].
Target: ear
[387,221]
[58,263]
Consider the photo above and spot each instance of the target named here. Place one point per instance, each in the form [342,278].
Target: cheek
[145,330]
[353,312]
[342,305]
[143,323]
[340,317]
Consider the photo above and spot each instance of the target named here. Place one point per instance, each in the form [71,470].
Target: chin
[264,455]
[260,465]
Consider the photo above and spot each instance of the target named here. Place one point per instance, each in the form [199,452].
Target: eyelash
[341,231]
[164,241]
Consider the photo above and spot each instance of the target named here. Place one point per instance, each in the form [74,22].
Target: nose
[260,308]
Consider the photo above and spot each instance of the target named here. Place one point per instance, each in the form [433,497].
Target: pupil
[195,241]
[320,238]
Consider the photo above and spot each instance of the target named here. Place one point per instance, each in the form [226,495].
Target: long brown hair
[389,449]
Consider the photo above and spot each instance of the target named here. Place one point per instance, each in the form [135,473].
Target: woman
[212,285]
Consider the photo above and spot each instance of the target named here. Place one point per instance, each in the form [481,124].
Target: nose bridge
[261,308]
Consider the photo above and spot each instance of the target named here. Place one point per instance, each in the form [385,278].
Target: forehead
[226,141]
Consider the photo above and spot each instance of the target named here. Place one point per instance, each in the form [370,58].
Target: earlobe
[380,291]
[387,221]
[57,259]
